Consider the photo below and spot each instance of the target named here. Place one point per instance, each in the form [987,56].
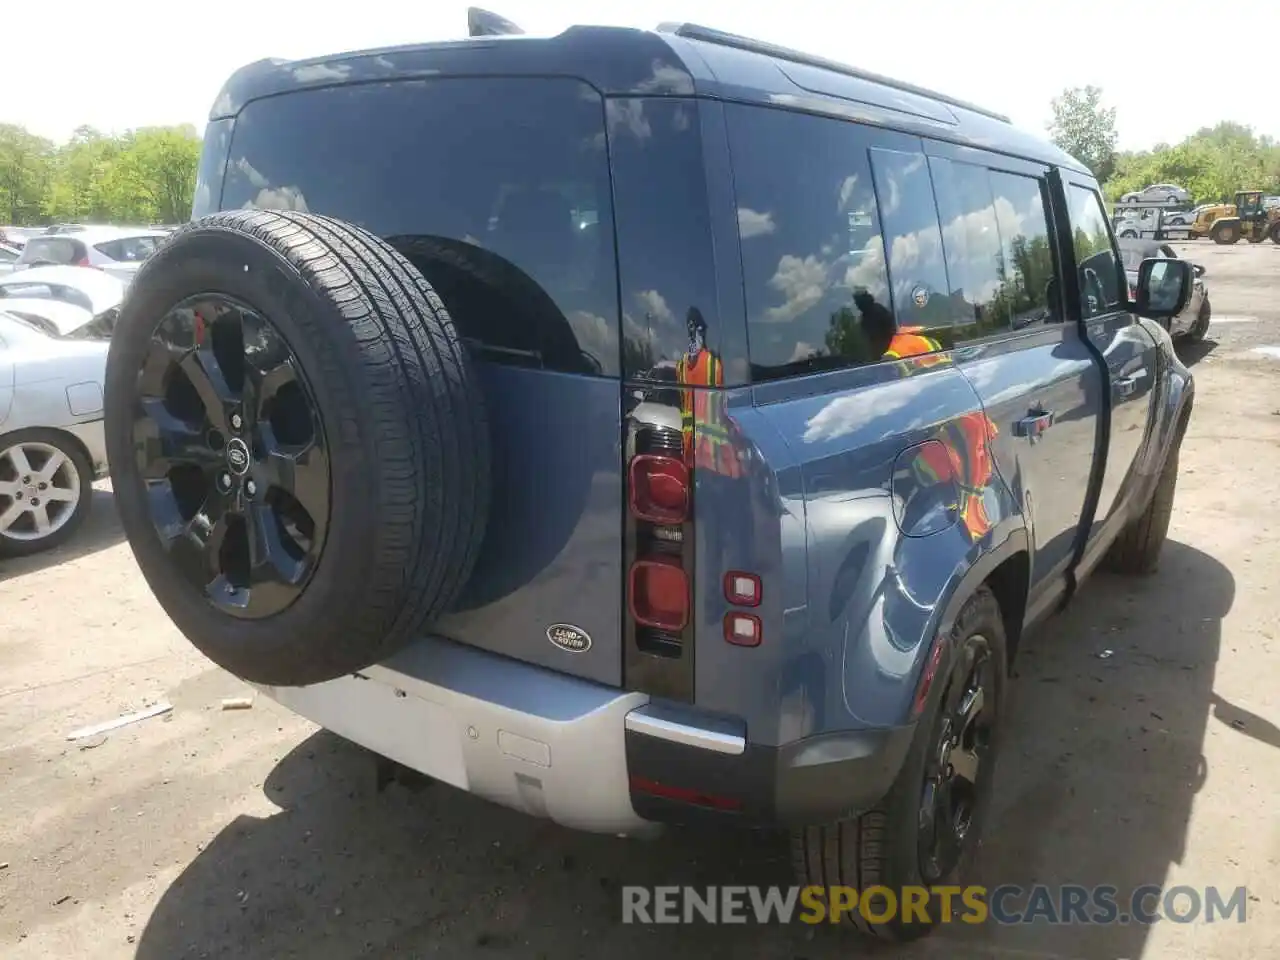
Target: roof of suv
[673,60]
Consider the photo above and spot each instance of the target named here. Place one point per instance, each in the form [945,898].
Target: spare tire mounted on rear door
[298,444]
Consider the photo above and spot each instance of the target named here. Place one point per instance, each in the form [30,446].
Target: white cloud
[286,198]
[754,224]
[655,306]
[802,283]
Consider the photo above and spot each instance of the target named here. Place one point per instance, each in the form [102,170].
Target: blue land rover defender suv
[637,427]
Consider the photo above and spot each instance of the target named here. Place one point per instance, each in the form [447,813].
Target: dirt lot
[251,834]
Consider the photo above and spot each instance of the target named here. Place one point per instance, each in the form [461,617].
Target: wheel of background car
[1129,234]
[46,485]
[1201,326]
[299,447]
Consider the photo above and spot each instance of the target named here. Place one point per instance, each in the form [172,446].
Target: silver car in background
[1193,322]
[51,435]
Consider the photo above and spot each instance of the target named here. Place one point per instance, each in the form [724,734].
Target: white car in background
[118,251]
[8,257]
[97,292]
[51,434]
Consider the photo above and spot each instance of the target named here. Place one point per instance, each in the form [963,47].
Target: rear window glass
[128,249]
[57,250]
[498,190]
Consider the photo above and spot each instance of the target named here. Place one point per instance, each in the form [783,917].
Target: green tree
[1086,129]
[24,173]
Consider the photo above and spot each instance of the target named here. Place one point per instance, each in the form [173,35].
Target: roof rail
[693,31]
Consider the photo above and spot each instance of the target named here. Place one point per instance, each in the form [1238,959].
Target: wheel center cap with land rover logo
[237,457]
[569,638]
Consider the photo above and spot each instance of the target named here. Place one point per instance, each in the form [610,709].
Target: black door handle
[1033,424]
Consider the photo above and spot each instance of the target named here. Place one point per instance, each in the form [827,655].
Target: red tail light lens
[743,629]
[659,489]
[659,594]
[742,589]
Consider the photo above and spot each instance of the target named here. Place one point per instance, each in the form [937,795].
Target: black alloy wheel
[956,760]
[230,446]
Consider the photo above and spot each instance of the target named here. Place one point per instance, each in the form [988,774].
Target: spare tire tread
[457,461]
[404,381]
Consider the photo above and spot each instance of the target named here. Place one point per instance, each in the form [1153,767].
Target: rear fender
[925,582]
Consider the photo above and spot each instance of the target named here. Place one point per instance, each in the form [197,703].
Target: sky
[116,66]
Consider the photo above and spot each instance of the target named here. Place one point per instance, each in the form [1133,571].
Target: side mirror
[1198,269]
[1163,288]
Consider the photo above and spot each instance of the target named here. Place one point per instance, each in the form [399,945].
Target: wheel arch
[63,434]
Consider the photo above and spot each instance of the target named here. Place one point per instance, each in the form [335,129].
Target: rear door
[1123,341]
[1038,381]
[498,190]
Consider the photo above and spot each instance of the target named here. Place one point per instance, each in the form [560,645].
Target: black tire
[1275,232]
[1226,234]
[1137,549]
[1201,327]
[400,411]
[881,847]
[1129,234]
[24,540]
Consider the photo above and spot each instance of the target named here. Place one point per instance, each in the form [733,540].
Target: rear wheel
[299,448]
[925,832]
[1275,232]
[46,485]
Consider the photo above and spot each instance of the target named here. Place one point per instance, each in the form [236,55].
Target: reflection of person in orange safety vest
[711,444]
[965,457]
[704,418]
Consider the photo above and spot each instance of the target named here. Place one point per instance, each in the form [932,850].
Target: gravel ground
[1141,749]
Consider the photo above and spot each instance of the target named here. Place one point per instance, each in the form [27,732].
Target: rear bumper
[93,436]
[586,756]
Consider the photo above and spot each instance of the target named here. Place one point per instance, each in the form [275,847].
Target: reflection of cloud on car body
[752,223]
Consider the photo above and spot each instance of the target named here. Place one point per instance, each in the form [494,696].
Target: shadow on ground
[1100,767]
[1193,352]
[101,529]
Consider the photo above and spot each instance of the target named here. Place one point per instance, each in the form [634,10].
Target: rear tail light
[743,629]
[659,593]
[742,589]
[659,489]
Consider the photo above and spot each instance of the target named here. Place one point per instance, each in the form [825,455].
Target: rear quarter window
[498,190]
[813,262]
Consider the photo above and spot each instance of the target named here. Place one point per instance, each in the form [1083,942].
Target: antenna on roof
[482,23]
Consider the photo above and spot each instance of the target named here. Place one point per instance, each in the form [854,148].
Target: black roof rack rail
[693,31]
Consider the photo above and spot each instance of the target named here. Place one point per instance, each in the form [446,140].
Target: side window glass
[813,261]
[917,269]
[971,242]
[1097,264]
[1030,292]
